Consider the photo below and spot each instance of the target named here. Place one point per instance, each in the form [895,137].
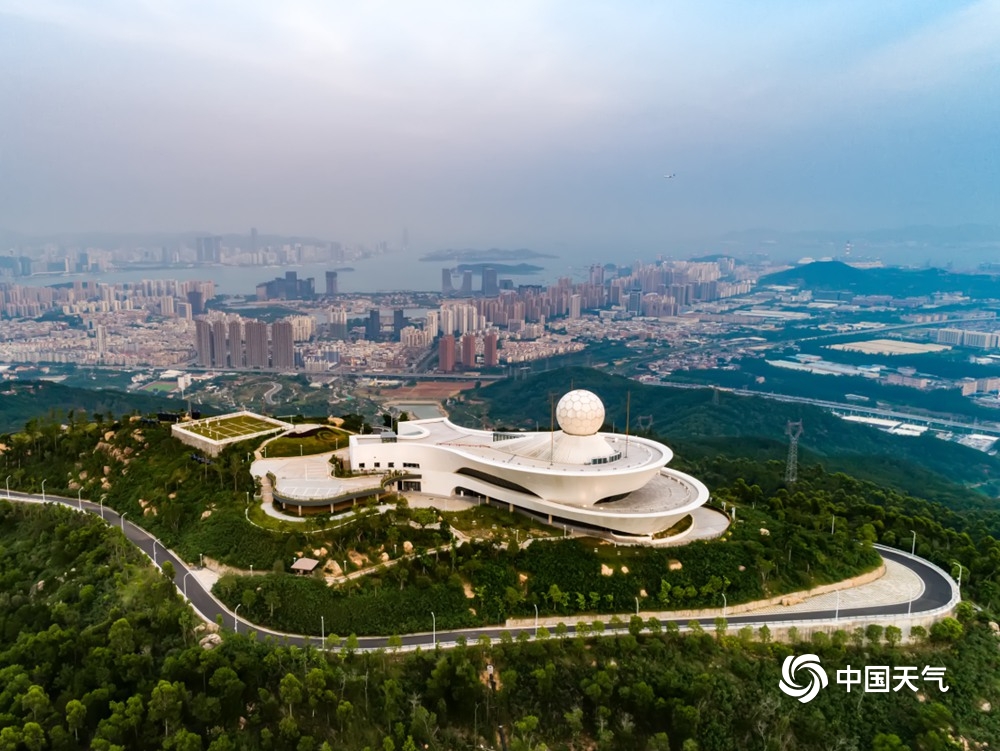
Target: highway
[940,594]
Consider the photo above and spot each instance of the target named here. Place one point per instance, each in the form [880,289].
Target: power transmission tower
[645,422]
[794,431]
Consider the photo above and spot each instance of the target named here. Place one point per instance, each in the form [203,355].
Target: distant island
[514,269]
[493,254]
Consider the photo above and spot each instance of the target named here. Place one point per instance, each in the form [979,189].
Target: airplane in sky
[671,175]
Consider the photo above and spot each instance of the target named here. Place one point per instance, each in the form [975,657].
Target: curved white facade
[613,482]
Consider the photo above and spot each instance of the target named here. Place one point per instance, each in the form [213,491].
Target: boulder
[674,565]
[211,641]
[407,547]
[607,570]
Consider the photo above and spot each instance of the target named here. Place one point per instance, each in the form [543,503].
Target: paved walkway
[899,584]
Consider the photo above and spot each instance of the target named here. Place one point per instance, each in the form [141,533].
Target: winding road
[270,393]
[940,594]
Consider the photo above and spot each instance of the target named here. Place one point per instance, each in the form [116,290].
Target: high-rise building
[446,288]
[491,287]
[447,321]
[337,318]
[203,342]
[196,299]
[466,282]
[331,283]
[574,306]
[398,322]
[236,357]
[446,353]
[256,344]
[208,249]
[469,350]
[102,340]
[282,345]
[597,275]
[490,359]
[219,344]
[432,322]
[253,239]
[373,326]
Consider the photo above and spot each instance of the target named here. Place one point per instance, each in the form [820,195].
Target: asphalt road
[939,591]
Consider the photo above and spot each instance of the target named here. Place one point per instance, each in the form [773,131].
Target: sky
[546,124]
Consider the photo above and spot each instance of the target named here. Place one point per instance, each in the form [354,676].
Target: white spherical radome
[580,412]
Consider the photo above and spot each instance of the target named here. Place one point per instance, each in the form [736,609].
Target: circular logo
[815,677]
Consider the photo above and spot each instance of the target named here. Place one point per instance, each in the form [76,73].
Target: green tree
[290,690]
[893,635]
[76,715]
[36,701]
[166,702]
[888,742]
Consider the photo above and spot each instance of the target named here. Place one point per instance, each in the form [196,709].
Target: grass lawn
[325,440]
[160,387]
[487,522]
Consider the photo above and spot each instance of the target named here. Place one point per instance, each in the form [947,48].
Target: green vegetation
[498,525]
[29,400]
[833,388]
[97,651]
[304,444]
[894,281]
[488,581]
[698,422]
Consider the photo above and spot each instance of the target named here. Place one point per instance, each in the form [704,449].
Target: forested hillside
[97,651]
[26,400]
[693,420]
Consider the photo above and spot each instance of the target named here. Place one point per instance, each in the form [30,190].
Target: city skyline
[542,125]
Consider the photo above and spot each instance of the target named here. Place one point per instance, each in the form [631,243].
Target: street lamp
[913,548]
[184,583]
[154,552]
[637,605]
[434,631]
[833,523]
[236,619]
[959,572]
[43,491]
[322,633]
[536,619]
[122,520]
[725,603]
[7,483]
[79,500]
[103,496]
[201,560]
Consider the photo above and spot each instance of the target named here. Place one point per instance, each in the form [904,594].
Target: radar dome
[580,412]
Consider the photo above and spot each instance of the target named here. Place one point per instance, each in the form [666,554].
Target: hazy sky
[506,123]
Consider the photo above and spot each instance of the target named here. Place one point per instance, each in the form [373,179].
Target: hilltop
[898,282]
[25,400]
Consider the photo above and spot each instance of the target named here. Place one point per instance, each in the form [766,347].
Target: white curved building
[575,475]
